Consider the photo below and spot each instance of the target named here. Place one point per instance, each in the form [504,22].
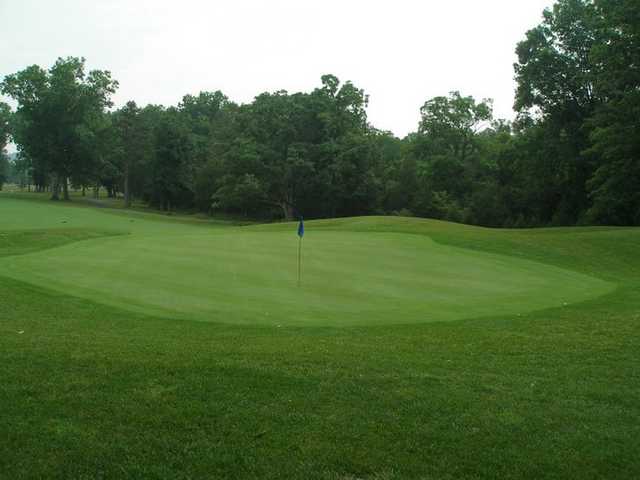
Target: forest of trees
[572,156]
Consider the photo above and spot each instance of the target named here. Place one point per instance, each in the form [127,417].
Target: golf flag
[301,228]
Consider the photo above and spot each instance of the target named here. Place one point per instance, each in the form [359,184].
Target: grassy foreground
[119,357]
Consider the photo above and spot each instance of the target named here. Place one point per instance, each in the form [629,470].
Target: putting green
[241,275]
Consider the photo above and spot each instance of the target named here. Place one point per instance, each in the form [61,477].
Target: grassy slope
[90,391]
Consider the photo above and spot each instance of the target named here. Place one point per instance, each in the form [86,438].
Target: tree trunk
[127,192]
[65,188]
[84,188]
[55,189]
[287,210]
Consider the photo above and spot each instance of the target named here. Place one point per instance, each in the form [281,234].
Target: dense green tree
[556,76]
[206,115]
[131,146]
[276,127]
[451,124]
[614,128]
[446,152]
[578,79]
[395,180]
[171,182]
[555,71]
[308,152]
[58,111]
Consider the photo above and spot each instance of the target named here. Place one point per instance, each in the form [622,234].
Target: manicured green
[244,276]
[134,345]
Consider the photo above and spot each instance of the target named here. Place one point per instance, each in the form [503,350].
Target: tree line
[571,156]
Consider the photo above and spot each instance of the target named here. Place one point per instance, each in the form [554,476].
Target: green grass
[136,346]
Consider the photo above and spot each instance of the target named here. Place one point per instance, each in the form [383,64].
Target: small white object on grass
[20,332]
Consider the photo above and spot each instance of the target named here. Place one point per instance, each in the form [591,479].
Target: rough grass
[94,391]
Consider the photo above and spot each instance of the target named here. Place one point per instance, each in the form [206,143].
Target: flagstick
[299,257]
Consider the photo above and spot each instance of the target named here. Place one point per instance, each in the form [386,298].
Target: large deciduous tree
[615,126]
[59,111]
[302,152]
[171,180]
[556,75]
[578,77]
[452,123]
[445,151]
[132,146]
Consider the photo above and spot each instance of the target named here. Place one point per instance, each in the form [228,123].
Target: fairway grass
[138,346]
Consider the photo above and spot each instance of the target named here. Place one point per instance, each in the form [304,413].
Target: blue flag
[301,228]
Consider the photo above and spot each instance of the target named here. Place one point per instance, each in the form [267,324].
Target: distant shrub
[403,212]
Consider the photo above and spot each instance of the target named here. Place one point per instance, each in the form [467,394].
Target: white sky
[400,52]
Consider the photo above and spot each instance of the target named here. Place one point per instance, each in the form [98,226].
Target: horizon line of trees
[572,156]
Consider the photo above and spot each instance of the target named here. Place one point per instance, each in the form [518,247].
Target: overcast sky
[400,52]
